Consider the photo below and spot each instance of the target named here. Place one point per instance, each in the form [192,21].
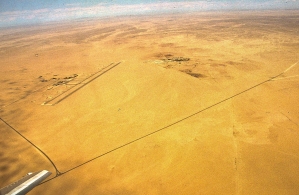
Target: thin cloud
[76,10]
[39,11]
[73,4]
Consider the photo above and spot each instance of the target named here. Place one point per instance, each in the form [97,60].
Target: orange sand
[137,117]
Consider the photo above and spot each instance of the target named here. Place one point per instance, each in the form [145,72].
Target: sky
[22,12]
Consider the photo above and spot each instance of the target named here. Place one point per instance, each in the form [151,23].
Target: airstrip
[201,103]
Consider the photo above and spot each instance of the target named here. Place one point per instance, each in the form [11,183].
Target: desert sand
[198,103]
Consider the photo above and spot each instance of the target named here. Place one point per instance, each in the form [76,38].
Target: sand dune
[200,103]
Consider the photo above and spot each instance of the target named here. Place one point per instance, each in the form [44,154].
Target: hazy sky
[16,12]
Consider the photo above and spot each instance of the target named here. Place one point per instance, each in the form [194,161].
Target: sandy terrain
[202,103]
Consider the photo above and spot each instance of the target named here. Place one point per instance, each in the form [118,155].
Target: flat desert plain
[187,103]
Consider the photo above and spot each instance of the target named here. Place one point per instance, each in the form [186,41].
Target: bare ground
[173,104]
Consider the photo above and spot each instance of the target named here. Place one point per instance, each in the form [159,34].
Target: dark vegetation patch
[178,59]
[169,57]
[196,75]
[161,55]
[61,81]
[71,77]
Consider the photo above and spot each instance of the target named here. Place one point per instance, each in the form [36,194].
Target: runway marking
[73,86]
[79,86]
[58,174]
[166,127]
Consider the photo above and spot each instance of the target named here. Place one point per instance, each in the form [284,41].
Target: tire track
[166,127]
[36,147]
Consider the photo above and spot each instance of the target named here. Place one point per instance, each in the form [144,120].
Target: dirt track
[198,104]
